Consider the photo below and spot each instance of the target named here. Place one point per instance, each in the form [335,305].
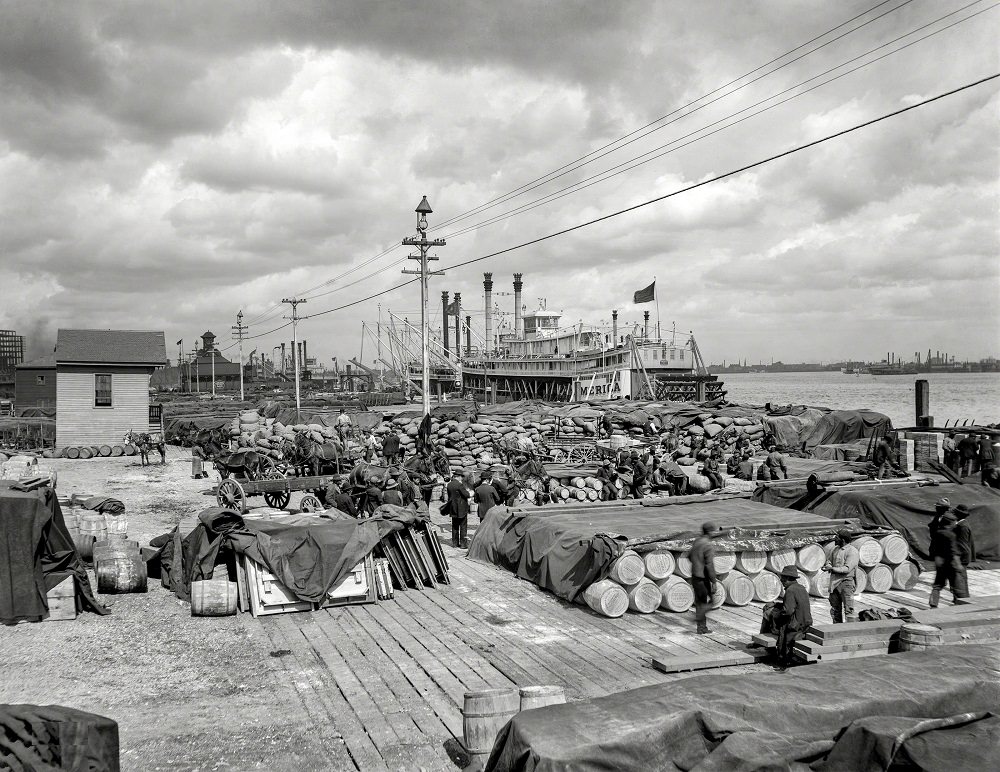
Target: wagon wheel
[581,453]
[310,503]
[558,455]
[276,499]
[231,496]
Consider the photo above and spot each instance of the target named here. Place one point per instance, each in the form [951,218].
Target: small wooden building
[35,384]
[102,384]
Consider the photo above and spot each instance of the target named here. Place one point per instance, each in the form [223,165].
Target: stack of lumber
[927,447]
[415,558]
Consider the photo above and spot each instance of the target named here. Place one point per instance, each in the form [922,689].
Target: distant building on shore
[35,383]
[11,354]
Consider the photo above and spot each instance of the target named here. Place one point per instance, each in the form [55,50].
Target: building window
[682,353]
[102,391]
[673,353]
[40,380]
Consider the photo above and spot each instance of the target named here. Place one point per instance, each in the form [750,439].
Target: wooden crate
[62,601]
[357,587]
[265,593]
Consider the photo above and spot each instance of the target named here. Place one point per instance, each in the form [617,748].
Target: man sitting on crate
[842,564]
[607,475]
[788,618]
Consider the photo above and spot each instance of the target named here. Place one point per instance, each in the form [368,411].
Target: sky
[165,165]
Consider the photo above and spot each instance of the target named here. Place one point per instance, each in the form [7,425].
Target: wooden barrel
[860,580]
[895,550]
[675,594]
[117,450]
[483,716]
[724,562]
[72,453]
[828,548]
[766,587]
[739,589]
[810,557]
[117,524]
[130,449]
[879,578]
[803,579]
[905,576]
[869,551]
[682,565]
[628,569]
[84,453]
[112,550]
[540,696]
[104,451]
[597,485]
[779,558]
[579,494]
[751,562]
[562,492]
[120,575]
[659,564]
[84,543]
[916,637]
[578,482]
[819,584]
[92,524]
[214,597]
[592,495]
[644,597]
[606,597]
[719,596]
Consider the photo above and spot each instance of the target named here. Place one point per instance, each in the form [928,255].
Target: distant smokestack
[301,360]
[305,355]
[444,320]
[488,290]
[468,336]
[282,358]
[458,326]
[614,328]
[518,321]
[645,324]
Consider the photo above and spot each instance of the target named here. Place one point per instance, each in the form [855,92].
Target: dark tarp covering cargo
[840,426]
[566,549]
[47,738]
[909,510]
[833,716]
[309,554]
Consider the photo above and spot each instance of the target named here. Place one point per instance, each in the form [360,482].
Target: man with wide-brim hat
[842,564]
[790,617]
[944,553]
[392,494]
[703,578]
[941,506]
[456,506]
[965,545]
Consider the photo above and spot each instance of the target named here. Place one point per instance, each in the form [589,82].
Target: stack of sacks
[252,431]
[743,576]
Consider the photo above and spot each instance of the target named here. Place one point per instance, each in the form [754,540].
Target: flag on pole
[178,343]
[646,295]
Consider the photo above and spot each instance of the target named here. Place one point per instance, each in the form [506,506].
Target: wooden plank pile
[414,557]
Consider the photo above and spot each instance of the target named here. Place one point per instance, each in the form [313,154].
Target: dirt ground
[188,693]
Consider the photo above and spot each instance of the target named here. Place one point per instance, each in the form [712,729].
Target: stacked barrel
[661,579]
[578,489]
[102,539]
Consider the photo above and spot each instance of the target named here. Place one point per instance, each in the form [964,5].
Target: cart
[233,492]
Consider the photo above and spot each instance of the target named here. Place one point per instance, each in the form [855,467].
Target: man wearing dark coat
[944,551]
[703,578]
[789,618]
[336,498]
[391,495]
[486,496]
[390,448]
[456,506]
[965,545]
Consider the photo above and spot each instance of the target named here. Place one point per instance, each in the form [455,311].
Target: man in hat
[390,448]
[968,452]
[791,617]
[336,498]
[372,496]
[966,547]
[842,564]
[343,425]
[486,495]
[941,508]
[639,473]
[607,475]
[746,465]
[457,507]
[710,468]
[392,494]
[944,552]
[703,578]
[774,463]
[501,486]
[951,457]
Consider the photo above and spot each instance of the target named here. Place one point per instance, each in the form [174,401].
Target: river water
[953,395]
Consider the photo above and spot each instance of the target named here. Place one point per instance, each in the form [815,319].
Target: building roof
[120,347]
[208,334]
[42,363]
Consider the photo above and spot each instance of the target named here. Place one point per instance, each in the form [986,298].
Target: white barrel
[810,557]
[905,576]
[724,562]
[562,492]
[628,569]
[819,584]
[739,589]
[578,482]
[895,550]
[644,597]
[879,578]
[659,564]
[675,594]
[606,597]
[597,485]
[803,579]
[683,567]
[579,494]
[828,548]
[779,558]
[860,580]
[719,596]
[869,551]
[766,587]
[751,562]
[616,441]
[592,495]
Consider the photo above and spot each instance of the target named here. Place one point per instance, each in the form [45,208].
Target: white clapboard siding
[78,422]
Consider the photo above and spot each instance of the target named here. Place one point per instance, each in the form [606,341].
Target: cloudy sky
[165,164]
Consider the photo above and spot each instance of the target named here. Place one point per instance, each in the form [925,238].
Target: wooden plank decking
[389,679]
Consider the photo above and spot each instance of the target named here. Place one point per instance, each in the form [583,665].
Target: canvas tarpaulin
[840,426]
[766,721]
[51,738]
[566,549]
[909,510]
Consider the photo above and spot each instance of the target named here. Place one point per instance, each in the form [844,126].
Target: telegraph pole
[197,374]
[238,332]
[423,244]
[294,303]
[180,365]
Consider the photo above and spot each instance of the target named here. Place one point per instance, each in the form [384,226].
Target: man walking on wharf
[703,577]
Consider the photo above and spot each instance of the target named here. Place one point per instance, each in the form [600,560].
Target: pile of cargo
[661,579]
[251,430]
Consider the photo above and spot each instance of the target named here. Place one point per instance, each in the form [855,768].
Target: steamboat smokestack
[301,360]
[614,328]
[645,325]
[444,321]
[458,326]
[488,291]
[305,355]
[468,336]
[518,321]
[282,358]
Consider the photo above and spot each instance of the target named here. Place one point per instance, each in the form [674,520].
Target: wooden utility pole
[294,303]
[238,332]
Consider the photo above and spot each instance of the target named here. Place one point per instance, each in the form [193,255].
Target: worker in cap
[372,497]
[790,617]
[942,506]
[392,494]
[944,553]
[842,564]
[456,506]
[607,474]
[703,578]
[966,547]
[486,496]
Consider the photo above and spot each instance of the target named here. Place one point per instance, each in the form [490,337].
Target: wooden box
[265,594]
[357,587]
[62,601]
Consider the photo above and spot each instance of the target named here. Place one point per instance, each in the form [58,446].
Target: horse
[144,442]
[317,457]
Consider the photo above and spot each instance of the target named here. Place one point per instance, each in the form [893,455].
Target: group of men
[491,491]
[971,454]
[952,549]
